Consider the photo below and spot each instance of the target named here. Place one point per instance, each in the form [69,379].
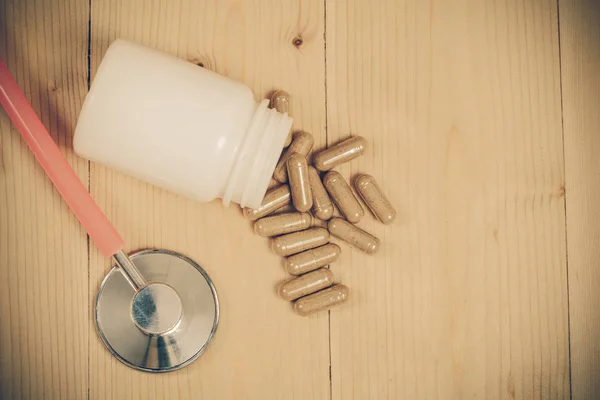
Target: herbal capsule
[299,185]
[281,101]
[316,222]
[340,153]
[353,235]
[306,284]
[375,199]
[302,143]
[297,242]
[323,300]
[274,199]
[310,260]
[342,195]
[322,207]
[282,223]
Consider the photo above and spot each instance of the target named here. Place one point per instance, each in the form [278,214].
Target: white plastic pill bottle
[179,126]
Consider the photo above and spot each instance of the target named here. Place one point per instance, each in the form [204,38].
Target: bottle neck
[257,157]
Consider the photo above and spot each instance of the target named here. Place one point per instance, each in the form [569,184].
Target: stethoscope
[156,310]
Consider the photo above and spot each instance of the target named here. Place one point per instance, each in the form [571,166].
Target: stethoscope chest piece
[165,324]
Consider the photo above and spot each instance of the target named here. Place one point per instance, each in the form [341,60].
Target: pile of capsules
[297,235]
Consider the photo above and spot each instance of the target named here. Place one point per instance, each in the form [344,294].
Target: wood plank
[580,61]
[261,350]
[43,249]
[461,103]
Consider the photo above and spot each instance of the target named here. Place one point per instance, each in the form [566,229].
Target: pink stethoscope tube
[97,225]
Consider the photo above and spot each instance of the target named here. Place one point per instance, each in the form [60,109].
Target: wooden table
[485,130]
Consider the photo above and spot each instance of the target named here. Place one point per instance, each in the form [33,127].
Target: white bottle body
[173,124]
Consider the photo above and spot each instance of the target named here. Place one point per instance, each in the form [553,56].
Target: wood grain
[43,250]
[461,103]
[580,61]
[262,349]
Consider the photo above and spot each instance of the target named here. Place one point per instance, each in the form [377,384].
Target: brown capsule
[306,284]
[342,195]
[322,207]
[353,235]
[289,208]
[310,260]
[340,153]
[323,300]
[368,189]
[274,199]
[299,186]
[282,223]
[281,101]
[302,143]
[319,223]
[297,242]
